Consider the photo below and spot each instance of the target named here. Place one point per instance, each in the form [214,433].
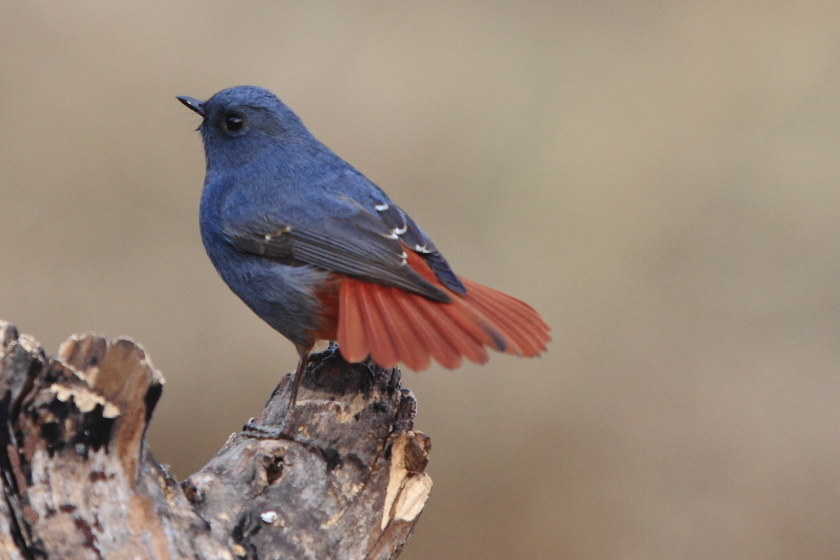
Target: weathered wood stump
[339,476]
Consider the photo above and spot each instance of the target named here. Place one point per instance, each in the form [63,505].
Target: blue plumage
[280,212]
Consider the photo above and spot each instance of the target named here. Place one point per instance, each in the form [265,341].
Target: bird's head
[242,121]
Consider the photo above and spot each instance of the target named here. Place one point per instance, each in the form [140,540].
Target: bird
[320,253]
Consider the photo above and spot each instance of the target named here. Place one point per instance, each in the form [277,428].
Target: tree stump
[339,476]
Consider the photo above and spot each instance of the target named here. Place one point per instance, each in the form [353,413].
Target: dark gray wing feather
[359,245]
[416,239]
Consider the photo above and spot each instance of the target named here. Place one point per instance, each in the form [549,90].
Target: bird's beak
[194,104]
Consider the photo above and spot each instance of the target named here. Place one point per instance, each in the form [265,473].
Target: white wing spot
[269,236]
[391,235]
[400,231]
[381,207]
[421,248]
[404,258]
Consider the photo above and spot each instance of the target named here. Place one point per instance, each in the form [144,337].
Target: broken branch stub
[339,476]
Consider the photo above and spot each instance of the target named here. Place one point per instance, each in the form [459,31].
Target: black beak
[194,104]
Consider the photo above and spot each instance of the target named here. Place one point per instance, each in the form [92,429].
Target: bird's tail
[392,325]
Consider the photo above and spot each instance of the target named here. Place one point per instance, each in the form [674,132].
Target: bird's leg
[304,357]
[270,432]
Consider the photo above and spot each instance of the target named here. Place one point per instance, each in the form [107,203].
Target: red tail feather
[392,325]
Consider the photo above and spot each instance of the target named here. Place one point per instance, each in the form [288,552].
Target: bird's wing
[356,243]
[410,234]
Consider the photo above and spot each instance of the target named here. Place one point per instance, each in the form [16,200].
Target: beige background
[660,179]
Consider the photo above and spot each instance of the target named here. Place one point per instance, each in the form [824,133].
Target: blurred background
[660,179]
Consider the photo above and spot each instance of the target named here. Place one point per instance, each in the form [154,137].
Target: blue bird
[319,252]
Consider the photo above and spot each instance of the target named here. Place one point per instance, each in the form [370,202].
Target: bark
[339,476]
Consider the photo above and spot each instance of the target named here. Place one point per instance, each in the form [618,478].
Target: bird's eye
[232,123]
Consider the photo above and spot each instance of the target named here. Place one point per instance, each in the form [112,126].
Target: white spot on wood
[30,345]
[269,517]
[110,411]
[413,497]
[405,496]
[85,400]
